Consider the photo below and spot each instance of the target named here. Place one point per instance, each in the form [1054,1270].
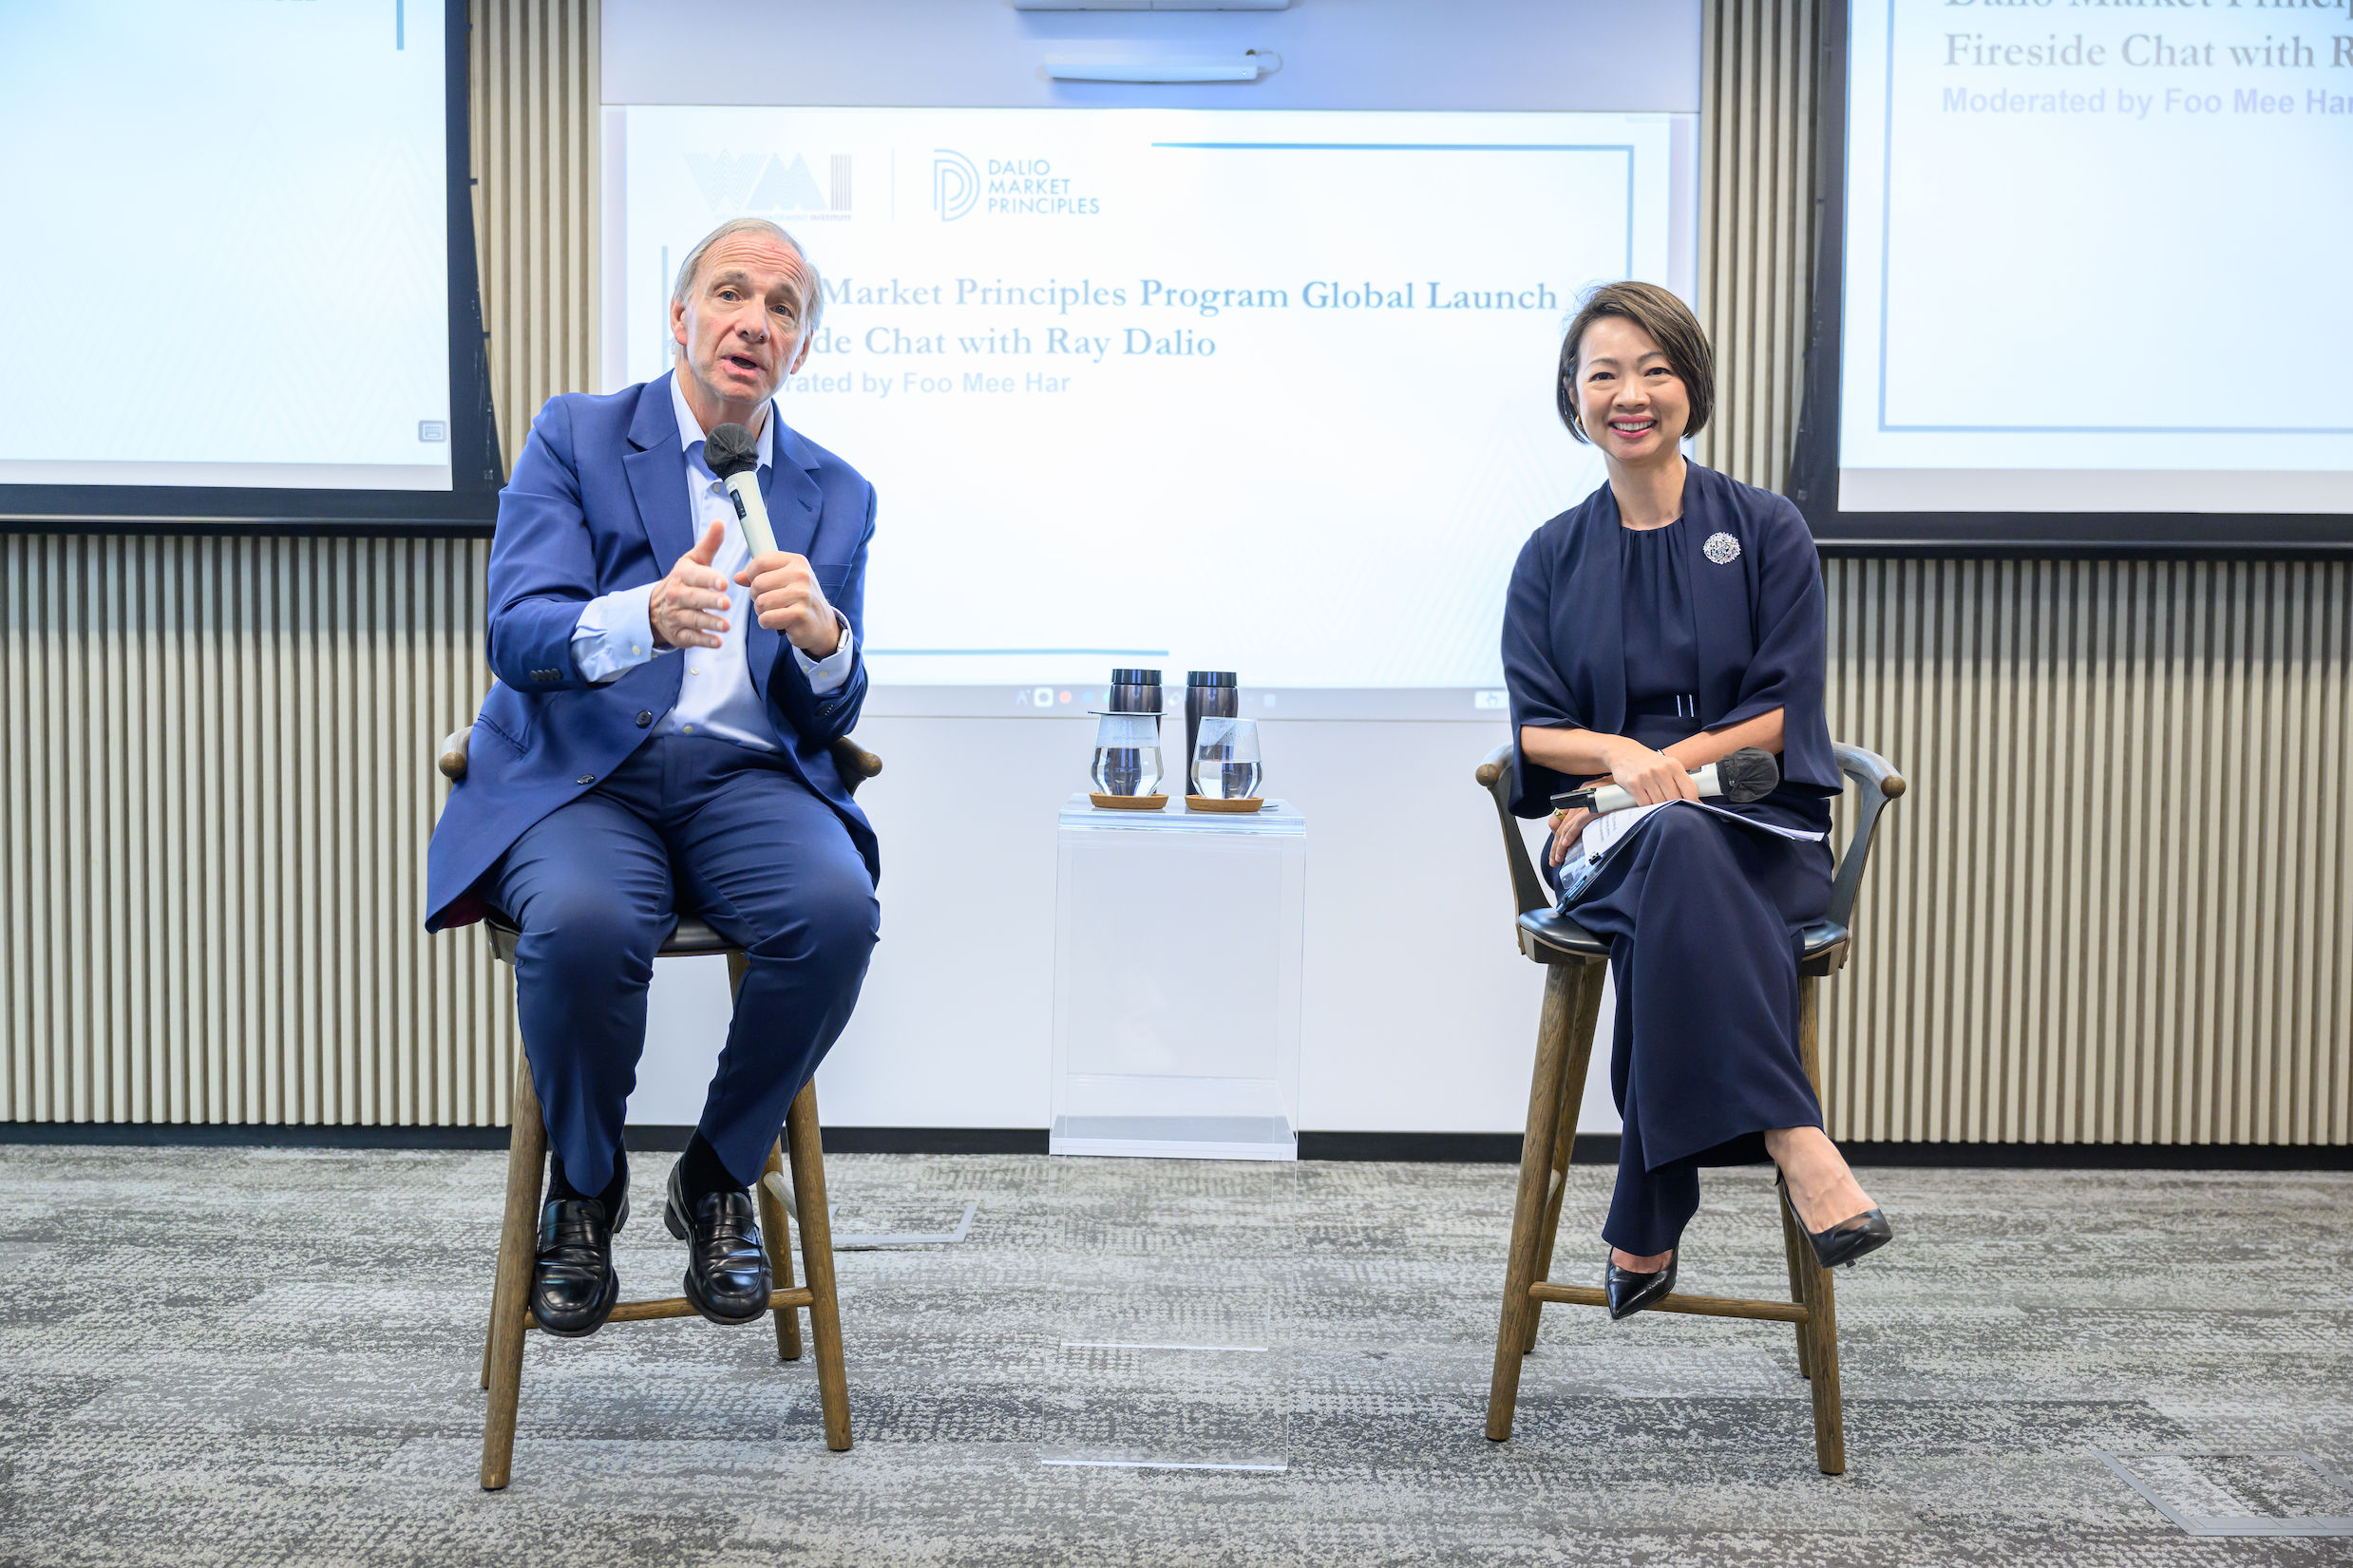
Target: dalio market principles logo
[954,184]
[1010,187]
[736,183]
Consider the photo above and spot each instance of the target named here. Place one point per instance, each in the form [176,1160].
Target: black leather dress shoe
[1847,1240]
[573,1285]
[726,1273]
[1628,1292]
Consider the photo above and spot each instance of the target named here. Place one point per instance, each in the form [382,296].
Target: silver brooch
[1722,548]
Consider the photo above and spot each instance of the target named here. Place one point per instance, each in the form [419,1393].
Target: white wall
[1336,54]
[1420,1015]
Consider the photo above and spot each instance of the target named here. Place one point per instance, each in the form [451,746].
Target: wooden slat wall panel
[212,834]
[1757,226]
[536,95]
[2112,909]
[2109,909]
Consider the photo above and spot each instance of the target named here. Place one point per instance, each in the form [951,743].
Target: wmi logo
[764,182]
[954,184]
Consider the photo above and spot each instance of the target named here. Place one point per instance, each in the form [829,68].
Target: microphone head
[1747,774]
[731,450]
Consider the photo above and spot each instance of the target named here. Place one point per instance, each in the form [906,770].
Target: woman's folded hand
[1649,775]
[1568,827]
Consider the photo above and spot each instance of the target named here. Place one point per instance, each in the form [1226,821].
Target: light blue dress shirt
[715,696]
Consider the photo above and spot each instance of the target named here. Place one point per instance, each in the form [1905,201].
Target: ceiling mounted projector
[1151,5]
[1248,67]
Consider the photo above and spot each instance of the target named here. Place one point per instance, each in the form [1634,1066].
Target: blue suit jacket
[599,502]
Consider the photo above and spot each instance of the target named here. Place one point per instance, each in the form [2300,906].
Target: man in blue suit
[657,742]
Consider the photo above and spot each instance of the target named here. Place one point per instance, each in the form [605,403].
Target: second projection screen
[2091,257]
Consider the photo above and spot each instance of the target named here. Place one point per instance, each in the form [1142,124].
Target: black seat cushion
[692,939]
[1825,940]
[1556,929]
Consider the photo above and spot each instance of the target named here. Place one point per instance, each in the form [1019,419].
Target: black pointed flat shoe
[726,1271]
[1845,1241]
[573,1284]
[1628,1292]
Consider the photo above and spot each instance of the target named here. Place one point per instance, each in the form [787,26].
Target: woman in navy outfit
[1671,619]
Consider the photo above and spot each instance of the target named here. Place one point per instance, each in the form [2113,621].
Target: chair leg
[526,1156]
[1564,1141]
[490,1325]
[774,1224]
[1792,1250]
[1821,1327]
[777,1225]
[1548,1228]
[803,1143]
[1562,990]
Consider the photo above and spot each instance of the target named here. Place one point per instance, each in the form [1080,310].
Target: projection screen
[237,275]
[1244,389]
[2075,279]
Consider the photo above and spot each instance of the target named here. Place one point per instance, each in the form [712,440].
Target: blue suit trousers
[594,887]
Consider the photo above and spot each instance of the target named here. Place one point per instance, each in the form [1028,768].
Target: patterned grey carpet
[260,1358]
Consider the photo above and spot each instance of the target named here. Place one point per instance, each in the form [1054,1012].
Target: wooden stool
[1576,963]
[800,1145]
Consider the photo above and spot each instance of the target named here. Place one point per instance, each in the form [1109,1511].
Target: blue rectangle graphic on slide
[224,259]
[1273,389]
[2092,258]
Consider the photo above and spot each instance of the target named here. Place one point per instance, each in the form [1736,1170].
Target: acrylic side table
[1178,944]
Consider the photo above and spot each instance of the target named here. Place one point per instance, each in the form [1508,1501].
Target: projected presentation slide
[2092,258]
[1249,391]
[225,258]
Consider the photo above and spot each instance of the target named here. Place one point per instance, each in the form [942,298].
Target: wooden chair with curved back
[798,1147]
[1575,964]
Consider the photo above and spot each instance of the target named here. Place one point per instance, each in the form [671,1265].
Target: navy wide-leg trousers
[596,886]
[1703,917]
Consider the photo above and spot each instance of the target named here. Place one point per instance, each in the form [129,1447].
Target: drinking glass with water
[1127,754]
[1225,763]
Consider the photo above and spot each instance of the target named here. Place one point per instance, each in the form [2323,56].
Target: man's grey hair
[813,297]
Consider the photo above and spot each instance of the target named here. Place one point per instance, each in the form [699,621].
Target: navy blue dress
[1656,635]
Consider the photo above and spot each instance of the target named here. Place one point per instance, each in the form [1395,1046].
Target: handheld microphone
[734,454]
[1747,774]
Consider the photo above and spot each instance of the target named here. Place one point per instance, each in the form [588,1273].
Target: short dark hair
[1670,324]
